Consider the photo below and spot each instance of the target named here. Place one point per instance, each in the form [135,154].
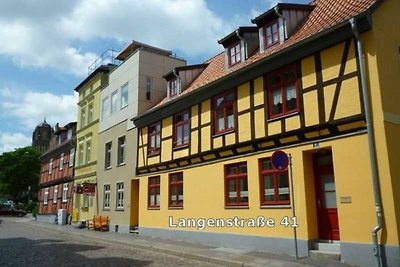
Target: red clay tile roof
[326,14]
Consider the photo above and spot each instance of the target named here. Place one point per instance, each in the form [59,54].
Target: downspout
[178,82]
[283,20]
[371,145]
[244,44]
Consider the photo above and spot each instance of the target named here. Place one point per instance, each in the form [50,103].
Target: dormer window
[271,34]
[234,54]
[172,88]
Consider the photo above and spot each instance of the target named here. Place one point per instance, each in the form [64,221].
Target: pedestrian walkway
[216,255]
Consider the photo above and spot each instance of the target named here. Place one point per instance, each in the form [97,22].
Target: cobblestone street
[24,245]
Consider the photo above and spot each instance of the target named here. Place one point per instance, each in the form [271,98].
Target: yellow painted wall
[381,48]
[350,173]
[243,97]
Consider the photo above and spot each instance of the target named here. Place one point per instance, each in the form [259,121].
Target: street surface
[26,245]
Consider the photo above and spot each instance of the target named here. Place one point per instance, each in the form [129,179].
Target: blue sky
[47,46]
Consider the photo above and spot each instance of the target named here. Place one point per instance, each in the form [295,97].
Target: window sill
[107,168]
[64,201]
[176,208]
[121,164]
[236,207]
[153,154]
[275,207]
[120,209]
[106,209]
[224,132]
[180,147]
[153,208]
[284,116]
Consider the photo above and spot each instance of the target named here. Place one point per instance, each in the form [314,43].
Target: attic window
[234,54]
[172,88]
[271,34]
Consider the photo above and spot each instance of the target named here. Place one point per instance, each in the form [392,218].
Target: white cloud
[9,141]
[29,108]
[44,33]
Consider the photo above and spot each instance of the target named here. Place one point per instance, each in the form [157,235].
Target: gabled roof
[271,13]
[187,67]
[232,37]
[328,16]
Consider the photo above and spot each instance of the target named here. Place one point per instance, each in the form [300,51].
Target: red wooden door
[328,223]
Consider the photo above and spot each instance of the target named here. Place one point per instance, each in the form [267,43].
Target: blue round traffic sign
[279,160]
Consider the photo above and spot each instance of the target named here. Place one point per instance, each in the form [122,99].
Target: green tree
[19,170]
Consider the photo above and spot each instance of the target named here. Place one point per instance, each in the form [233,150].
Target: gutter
[283,19]
[244,44]
[371,146]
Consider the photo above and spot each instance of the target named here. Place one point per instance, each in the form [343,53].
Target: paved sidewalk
[215,255]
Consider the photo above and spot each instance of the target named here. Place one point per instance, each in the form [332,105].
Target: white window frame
[69,134]
[90,112]
[81,152]
[51,165]
[61,165]
[71,157]
[124,90]
[121,150]
[108,156]
[107,196]
[88,154]
[65,193]
[120,196]
[114,101]
[83,116]
[105,108]
[46,196]
[55,194]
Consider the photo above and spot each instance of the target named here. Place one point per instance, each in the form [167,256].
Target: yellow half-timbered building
[294,82]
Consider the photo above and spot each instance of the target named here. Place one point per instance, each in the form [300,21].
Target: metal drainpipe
[177,81]
[284,21]
[371,145]
[244,44]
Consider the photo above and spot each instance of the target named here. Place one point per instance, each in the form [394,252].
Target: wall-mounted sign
[279,160]
[89,189]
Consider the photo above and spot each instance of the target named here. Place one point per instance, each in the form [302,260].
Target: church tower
[41,136]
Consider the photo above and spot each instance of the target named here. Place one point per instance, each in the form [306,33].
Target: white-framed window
[120,195]
[121,150]
[105,108]
[59,139]
[124,95]
[71,157]
[50,166]
[46,196]
[107,193]
[65,192]
[80,151]
[69,134]
[88,150]
[55,194]
[114,101]
[61,161]
[107,159]
[83,116]
[90,113]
